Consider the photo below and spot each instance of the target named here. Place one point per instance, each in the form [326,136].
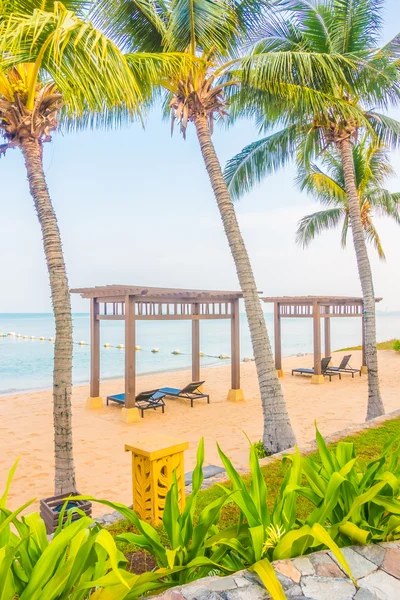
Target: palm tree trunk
[375,404]
[62,375]
[278,433]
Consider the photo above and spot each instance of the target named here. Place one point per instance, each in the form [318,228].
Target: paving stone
[324,566]
[327,588]
[219,584]
[373,552]
[199,591]
[241,581]
[391,564]
[304,565]
[384,586]
[287,568]
[171,595]
[364,594]
[359,565]
[249,593]
[287,584]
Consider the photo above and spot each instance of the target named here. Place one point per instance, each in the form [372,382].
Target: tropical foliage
[326,184]
[396,345]
[307,120]
[81,561]
[348,502]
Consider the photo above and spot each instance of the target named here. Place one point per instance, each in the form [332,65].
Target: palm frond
[88,69]
[312,225]
[260,158]
[372,236]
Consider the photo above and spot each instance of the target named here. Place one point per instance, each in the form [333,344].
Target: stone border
[110,518]
[318,576]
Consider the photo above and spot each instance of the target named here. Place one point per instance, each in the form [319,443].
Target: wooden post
[278,340]
[196,344]
[317,377]
[235,393]
[94,400]
[327,335]
[130,413]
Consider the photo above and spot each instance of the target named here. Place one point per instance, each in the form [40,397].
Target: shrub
[80,562]
[260,450]
[396,345]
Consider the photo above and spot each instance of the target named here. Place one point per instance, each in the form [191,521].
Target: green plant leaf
[266,573]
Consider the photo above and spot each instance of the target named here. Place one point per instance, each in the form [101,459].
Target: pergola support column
[130,413]
[196,345]
[235,393]
[327,336]
[278,340]
[364,367]
[94,401]
[317,377]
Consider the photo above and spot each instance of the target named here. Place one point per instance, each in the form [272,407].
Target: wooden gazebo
[315,308]
[133,303]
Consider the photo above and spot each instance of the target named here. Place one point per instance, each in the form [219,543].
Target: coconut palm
[54,64]
[311,119]
[213,32]
[372,167]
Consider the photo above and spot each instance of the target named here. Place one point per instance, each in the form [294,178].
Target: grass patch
[380,346]
[368,446]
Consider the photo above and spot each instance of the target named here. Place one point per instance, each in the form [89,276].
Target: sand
[103,468]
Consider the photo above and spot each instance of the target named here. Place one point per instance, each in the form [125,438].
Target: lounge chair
[344,367]
[324,369]
[144,401]
[191,392]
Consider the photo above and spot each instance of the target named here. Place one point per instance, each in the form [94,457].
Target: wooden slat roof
[110,291]
[331,300]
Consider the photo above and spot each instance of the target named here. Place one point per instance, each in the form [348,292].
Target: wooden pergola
[315,308]
[132,303]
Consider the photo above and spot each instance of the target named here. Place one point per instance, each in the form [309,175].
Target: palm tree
[211,33]
[55,65]
[319,115]
[372,167]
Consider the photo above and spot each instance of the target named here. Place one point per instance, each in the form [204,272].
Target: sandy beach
[102,466]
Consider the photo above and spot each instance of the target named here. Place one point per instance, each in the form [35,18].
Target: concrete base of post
[364,369]
[94,403]
[279,373]
[130,415]
[317,379]
[236,395]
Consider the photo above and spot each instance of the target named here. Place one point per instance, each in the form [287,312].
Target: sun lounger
[324,369]
[344,367]
[144,401]
[191,392]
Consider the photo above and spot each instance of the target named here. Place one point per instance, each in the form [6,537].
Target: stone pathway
[376,568]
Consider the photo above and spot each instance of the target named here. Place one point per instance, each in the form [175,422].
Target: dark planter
[50,509]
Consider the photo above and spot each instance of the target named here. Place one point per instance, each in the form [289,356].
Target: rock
[391,564]
[373,552]
[304,565]
[327,588]
[287,568]
[248,593]
[324,566]
[364,594]
[218,584]
[359,566]
[384,586]
[241,581]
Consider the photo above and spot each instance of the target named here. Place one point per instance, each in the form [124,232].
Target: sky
[136,207]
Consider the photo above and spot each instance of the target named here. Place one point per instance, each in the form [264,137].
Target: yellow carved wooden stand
[153,464]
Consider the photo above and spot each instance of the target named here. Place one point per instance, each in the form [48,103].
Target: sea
[27,364]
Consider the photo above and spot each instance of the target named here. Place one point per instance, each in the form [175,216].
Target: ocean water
[27,364]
